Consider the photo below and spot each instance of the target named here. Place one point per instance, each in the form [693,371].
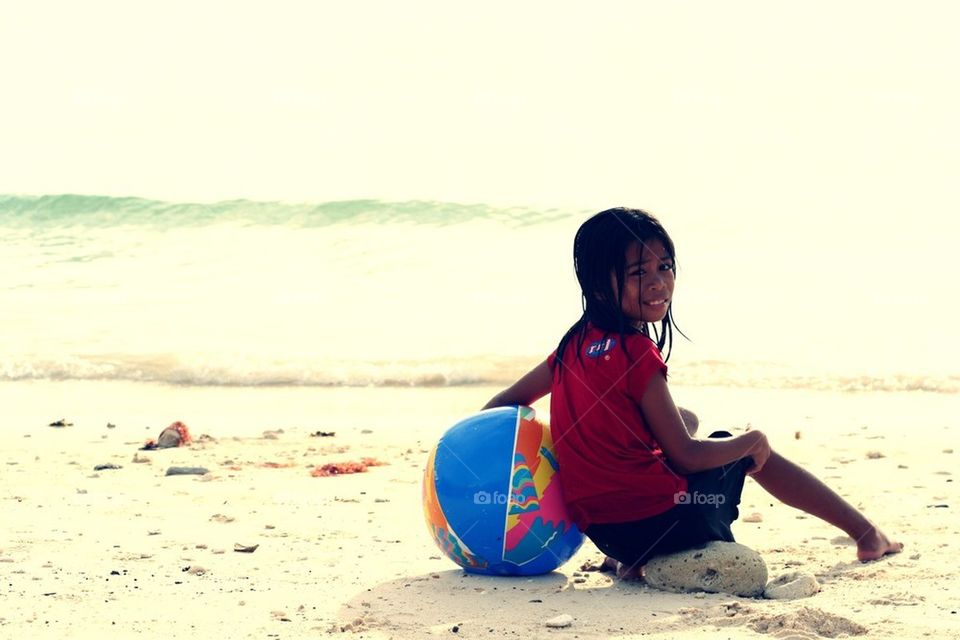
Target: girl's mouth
[656,303]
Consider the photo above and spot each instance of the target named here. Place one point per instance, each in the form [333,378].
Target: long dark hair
[599,249]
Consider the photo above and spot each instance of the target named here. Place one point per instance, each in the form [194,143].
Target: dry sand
[134,553]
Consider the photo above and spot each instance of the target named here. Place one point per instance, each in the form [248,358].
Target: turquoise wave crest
[108,211]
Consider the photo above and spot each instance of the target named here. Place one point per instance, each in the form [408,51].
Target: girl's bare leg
[798,488]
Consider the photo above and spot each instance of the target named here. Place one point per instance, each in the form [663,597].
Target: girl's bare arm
[527,390]
[686,453]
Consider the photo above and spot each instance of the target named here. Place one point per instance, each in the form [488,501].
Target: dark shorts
[702,515]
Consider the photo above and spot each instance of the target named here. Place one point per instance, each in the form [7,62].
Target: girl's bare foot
[622,571]
[629,573]
[609,564]
[875,545]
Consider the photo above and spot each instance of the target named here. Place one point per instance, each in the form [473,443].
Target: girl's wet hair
[599,249]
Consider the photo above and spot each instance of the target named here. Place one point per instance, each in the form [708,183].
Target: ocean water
[372,293]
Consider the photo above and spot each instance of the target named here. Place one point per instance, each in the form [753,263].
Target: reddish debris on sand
[182,431]
[338,468]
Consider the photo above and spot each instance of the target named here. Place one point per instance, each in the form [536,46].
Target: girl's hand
[759,451]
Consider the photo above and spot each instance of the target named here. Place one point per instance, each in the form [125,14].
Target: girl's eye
[664,266]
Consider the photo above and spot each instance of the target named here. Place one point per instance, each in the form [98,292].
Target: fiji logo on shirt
[600,347]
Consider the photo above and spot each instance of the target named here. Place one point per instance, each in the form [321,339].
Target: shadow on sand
[454,601]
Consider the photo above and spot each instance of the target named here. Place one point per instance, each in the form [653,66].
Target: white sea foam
[416,294]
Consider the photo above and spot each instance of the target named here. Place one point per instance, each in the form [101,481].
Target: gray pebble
[187,471]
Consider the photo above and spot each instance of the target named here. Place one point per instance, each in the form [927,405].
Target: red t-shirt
[611,467]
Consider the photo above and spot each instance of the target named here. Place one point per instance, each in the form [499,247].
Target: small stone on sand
[874,455]
[753,517]
[719,567]
[560,622]
[168,439]
[187,471]
[790,586]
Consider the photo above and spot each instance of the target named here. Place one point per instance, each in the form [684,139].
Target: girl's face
[648,289]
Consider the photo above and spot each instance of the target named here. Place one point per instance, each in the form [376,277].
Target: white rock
[560,622]
[719,567]
[793,585]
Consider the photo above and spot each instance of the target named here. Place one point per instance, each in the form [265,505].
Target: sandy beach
[320,233]
[133,552]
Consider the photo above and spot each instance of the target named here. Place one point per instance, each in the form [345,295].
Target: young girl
[636,479]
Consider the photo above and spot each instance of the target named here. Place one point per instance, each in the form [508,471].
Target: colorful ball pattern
[492,497]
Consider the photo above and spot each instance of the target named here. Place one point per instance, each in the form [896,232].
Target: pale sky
[735,105]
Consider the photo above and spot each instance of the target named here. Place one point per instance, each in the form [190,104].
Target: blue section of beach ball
[473,465]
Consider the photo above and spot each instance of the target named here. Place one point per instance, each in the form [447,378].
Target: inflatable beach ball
[492,498]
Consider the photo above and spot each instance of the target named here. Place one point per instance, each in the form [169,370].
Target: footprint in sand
[899,599]
[807,620]
[804,622]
